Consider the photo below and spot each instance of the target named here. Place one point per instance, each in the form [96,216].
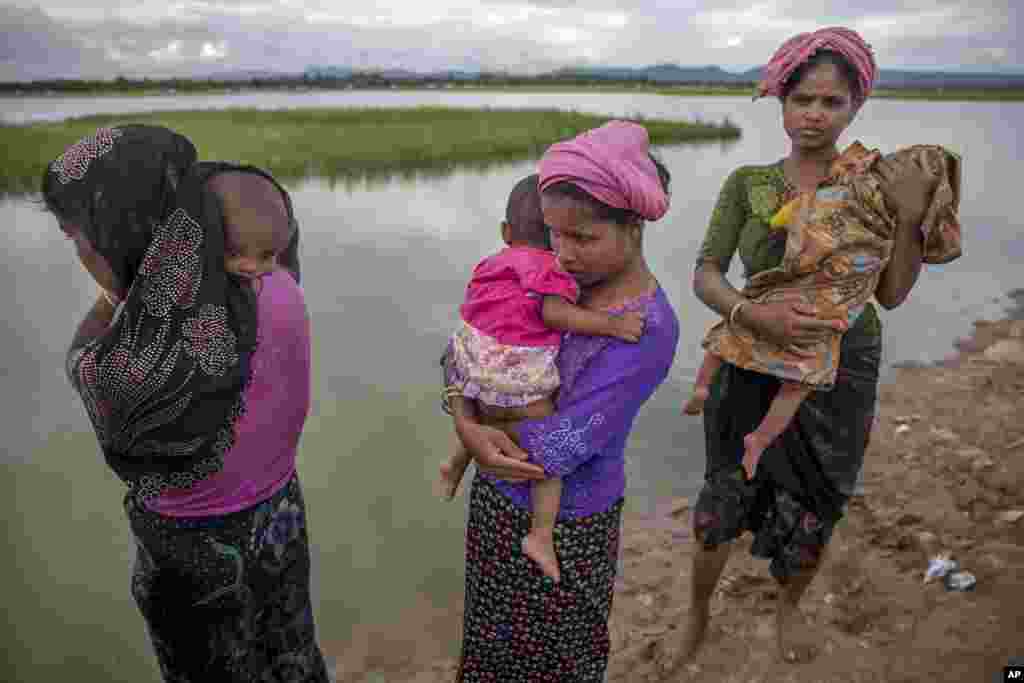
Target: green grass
[339,143]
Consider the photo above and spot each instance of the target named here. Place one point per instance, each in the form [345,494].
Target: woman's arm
[714,290]
[605,399]
[904,267]
[95,322]
[790,325]
[491,448]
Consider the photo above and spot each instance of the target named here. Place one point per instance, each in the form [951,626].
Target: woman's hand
[908,189]
[96,321]
[496,453]
[788,324]
[111,298]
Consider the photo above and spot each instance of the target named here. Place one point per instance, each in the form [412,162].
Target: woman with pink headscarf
[597,192]
[805,477]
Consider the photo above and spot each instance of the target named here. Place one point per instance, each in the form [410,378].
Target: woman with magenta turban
[808,473]
[598,191]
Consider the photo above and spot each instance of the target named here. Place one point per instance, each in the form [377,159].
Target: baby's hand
[629,326]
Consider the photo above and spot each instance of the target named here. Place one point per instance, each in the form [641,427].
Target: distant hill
[246,75]
[658,73]
[888,78]
[894,78]
[661,74]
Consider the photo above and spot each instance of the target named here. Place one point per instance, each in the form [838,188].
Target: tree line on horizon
[340,77]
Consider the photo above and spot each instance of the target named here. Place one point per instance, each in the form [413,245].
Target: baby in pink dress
[518,303]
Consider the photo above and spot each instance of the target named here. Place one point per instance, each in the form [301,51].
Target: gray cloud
[97,38]
[33,46]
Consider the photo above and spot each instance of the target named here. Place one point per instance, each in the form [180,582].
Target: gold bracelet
[736,309]
[447,394]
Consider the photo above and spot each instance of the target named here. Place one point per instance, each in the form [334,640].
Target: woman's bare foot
[680,648]
[795,639]
[695,406]
[540,547]
[451,476]
[753,446]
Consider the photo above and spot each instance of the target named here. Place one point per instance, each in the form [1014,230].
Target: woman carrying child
[807,474]
[194,367]
[518,303]
[597,191]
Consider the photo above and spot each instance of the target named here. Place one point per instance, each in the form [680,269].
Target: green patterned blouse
[739,223]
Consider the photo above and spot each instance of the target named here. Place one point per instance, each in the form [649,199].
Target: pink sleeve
[551,281]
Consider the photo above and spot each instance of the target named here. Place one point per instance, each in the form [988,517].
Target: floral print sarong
[519,626]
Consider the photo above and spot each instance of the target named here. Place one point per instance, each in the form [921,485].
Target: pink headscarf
[802,47]
[612,165]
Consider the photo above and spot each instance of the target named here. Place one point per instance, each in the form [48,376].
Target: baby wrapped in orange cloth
[839,240]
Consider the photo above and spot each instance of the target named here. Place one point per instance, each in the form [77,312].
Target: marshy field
[337,142]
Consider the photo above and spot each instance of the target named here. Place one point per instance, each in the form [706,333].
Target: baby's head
[257,228]
[524,221]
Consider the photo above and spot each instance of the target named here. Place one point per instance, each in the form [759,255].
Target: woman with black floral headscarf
[193,365]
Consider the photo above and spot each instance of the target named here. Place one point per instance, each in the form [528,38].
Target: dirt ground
[946,459]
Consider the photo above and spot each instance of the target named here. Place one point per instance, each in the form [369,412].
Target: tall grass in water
[339,143]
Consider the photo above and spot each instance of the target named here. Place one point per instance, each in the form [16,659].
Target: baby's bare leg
[780,413]
[702,387]
[546,496]
[452,471]
[539,544]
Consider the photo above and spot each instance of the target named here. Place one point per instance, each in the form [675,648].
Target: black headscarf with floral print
[164,385]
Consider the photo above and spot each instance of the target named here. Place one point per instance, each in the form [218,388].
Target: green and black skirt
[227,598]
[805,477]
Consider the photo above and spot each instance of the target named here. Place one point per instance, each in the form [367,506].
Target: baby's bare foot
[695,406]
[541,549]
[797,642]
[448,483]
[753,446]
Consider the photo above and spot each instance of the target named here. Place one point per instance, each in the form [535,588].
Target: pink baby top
[277,401]
[504,296]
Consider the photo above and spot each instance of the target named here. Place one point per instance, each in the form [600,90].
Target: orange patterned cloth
[838,243]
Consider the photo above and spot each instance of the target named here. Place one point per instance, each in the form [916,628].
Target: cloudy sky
[107,38]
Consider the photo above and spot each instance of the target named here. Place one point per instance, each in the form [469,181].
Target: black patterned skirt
[226,598]
[521,627]
[804,478]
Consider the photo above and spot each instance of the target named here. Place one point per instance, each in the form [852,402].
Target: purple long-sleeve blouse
[604,383]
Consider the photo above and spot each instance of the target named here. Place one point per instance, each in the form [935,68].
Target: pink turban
[801,47]
[611,164]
